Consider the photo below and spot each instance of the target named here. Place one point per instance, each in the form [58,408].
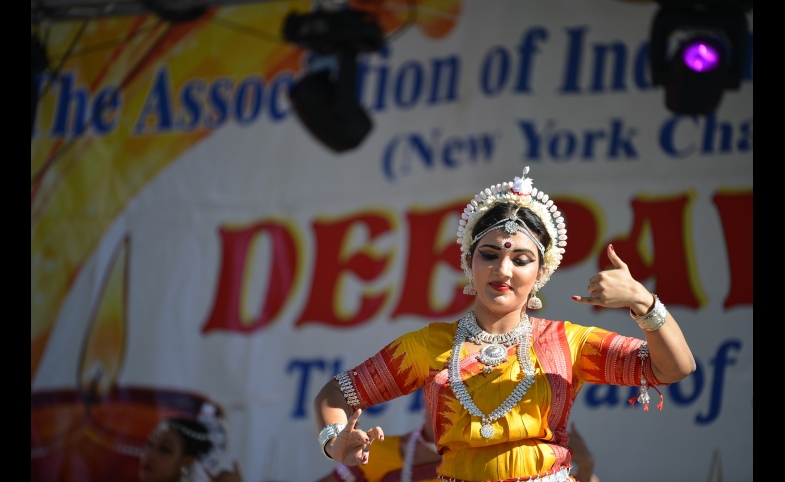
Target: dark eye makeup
[523,260]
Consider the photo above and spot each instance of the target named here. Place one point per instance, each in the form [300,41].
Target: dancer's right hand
[352,446]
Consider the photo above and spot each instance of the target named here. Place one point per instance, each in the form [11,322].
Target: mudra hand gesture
[352,445]
[616,288]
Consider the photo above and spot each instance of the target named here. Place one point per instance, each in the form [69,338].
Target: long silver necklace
[521,335]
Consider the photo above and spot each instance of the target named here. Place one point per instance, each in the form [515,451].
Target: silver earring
[469,289]
[184,473]
[534,303]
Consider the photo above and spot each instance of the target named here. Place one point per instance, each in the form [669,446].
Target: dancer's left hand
[616,288]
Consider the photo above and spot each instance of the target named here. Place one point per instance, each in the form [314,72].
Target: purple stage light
[700,56]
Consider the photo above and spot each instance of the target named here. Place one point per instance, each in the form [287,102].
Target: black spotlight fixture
[325,97]
[698,49]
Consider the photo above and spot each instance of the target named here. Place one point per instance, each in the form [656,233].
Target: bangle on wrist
[653,320]
[327,434]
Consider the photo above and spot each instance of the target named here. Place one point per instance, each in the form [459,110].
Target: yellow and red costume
[531,439]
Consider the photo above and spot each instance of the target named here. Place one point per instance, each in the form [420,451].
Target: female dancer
[499,383]
[183,449]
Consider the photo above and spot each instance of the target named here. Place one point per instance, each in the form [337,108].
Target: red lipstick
[499,286]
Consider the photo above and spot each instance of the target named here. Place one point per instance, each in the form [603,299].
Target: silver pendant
[486,431]
[492,355]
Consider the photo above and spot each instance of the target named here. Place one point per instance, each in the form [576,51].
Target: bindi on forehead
[501,240]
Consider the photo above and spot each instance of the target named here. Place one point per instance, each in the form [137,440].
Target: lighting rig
[698,50]
[325,98]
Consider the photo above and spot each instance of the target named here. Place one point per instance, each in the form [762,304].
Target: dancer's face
[163,457]
[504,270]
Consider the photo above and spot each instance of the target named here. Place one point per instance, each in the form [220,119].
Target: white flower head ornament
[208,415]
[520,192]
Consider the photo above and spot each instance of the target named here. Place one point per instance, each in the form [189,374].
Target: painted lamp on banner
[97,430]
[698,50]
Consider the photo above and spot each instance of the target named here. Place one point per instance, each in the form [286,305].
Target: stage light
[697,77]
[697,52]
[701,56]
[324,99]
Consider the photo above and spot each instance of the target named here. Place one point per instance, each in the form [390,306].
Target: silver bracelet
[327,434]
[654,319]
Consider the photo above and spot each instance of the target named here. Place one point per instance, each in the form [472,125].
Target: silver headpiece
[521,193]
[512,225]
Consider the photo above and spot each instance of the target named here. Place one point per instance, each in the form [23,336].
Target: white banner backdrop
[335,240]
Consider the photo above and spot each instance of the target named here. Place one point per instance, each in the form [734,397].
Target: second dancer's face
[163,457]
[504,270]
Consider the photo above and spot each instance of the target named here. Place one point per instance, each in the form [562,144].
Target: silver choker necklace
[523,335]
[479,336]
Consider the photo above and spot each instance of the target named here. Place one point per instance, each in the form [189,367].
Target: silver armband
[654,319]
[327,434]
[347,387]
